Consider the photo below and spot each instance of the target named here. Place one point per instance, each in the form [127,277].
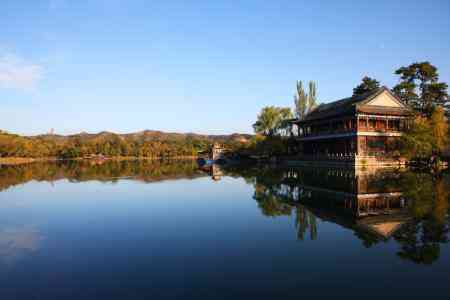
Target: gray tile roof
[351,105]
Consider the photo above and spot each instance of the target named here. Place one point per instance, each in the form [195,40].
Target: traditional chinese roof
[366,103]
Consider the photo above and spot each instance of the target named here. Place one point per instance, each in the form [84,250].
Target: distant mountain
[147,143]
[145,136]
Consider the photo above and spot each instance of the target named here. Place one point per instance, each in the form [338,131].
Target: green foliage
[300,101]
[419,87]
[367,85]
[305,102]
[418,141]
[312,96]
[266,146]
[272,120]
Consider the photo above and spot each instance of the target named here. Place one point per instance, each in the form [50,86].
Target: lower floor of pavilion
[373,149]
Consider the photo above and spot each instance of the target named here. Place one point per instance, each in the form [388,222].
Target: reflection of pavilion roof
[383,225]
[380,214]
[380,222]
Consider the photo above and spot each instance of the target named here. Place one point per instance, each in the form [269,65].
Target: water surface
[168,230]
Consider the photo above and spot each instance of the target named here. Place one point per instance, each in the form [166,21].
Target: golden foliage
[440,127]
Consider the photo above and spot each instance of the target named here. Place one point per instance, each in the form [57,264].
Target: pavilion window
[396,124]
[390,124]
[362,123]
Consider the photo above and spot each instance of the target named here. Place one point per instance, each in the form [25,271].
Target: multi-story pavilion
[362,129]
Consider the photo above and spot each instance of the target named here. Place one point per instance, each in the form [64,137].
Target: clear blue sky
[198,66]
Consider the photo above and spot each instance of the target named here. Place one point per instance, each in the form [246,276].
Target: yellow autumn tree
[440,128]
[426,136]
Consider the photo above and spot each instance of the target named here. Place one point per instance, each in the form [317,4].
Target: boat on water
[208,162]
[205,161]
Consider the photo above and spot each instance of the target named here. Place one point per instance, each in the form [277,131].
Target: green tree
[300,101]
[312,96]
[272,120]
[367,85]
[418,140]
[305,102]
[419,87]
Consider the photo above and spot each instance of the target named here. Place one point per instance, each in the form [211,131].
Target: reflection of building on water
[370,201]
[408,208]
[214,170]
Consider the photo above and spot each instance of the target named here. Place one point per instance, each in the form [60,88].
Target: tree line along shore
[143,145]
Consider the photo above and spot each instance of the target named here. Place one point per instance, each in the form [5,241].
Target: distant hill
[145,136]
[147,143]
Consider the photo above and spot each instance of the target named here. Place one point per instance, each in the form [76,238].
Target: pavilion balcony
[327,132]
[349,131]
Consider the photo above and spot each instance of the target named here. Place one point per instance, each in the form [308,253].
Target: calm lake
[170,230]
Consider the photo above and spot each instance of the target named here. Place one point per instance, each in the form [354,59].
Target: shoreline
[11,161]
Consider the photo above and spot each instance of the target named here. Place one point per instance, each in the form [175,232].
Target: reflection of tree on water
[108,171]
[305,220]
[213,170]
[274,200]
[421,240]
[410,208]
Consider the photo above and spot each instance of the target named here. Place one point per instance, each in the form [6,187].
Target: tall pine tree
[419,87]
[367,85]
